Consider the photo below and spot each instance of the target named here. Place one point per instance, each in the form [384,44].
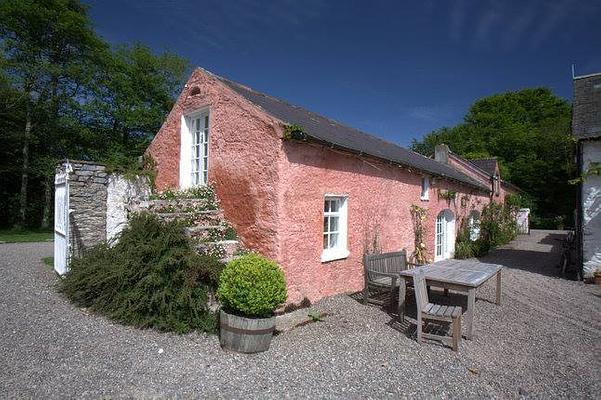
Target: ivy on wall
[418,216]
[294,132]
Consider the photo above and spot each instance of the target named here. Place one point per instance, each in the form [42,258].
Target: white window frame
[425,188]
[444,238]
[340,251]
[194,171]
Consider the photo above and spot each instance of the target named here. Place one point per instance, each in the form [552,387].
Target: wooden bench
[381,272]
[431,311]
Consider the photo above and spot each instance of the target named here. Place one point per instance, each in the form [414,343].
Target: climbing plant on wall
[418,216]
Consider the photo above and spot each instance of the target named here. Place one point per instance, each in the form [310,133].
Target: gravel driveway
[544,341]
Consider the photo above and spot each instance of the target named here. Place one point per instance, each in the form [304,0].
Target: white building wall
[121,194]
[591,209]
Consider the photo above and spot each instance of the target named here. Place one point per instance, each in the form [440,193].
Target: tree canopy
[529,133]
[66,93]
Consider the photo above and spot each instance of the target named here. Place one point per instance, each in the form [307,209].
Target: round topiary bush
[252,285]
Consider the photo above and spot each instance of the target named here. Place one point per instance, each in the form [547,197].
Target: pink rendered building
[309,192]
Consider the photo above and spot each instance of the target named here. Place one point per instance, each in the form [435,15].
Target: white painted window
[335,228]
[194,150]
[425,194]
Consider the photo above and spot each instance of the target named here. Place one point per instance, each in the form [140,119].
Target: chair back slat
[421,293]
[388,263]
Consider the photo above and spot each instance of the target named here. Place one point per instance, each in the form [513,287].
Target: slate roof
[586,108]
[327,131]
[488,165]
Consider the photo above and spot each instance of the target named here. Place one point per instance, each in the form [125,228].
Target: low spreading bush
[151,278]
[252,286]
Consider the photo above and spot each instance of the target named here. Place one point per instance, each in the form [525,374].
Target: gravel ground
[544,341]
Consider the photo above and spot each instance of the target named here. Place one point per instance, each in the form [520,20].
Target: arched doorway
[445,235]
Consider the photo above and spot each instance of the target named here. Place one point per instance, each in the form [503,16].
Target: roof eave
[337,146]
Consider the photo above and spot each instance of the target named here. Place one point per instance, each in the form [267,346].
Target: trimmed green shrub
[252,286]
[151,278]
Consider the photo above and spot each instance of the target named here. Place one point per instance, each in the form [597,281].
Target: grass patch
[49,261]
[18,236]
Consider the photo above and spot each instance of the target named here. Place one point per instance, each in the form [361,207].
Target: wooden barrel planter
[245,335]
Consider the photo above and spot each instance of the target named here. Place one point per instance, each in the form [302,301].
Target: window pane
[206,122]
[205,162]
[333,240]
[205,177]
[206,136]
[325,224]
[334,204]
[206,148]
[333,224]
[326,206]
[325,241]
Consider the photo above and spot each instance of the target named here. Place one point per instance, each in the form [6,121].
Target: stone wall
[87,205]
[123,195]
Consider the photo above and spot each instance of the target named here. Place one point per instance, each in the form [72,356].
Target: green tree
[135,91]
[529,133]
[46,46]
[65,93]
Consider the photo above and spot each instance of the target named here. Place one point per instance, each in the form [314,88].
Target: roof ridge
[311,112]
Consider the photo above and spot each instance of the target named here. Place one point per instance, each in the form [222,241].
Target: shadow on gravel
[408,326]
[544,262]
[554,239]
[540,262]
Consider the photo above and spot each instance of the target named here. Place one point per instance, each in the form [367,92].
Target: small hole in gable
[195,90]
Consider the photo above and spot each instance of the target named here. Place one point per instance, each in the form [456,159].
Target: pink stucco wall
[272,191]
[379,200]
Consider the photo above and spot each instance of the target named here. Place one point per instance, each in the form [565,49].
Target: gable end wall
[243,157]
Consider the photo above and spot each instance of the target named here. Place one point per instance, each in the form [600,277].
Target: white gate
[523,217]
[61,220]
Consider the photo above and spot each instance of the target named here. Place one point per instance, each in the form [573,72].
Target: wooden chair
[427,310]
[382,275]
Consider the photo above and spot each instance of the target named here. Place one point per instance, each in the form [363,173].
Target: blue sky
[392,68]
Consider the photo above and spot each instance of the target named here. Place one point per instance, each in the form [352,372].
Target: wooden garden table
[459,275]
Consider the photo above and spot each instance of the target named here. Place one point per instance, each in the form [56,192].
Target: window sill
[424,198]
[327,256]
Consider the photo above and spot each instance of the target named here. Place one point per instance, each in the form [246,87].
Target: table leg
[498,299]
[402,293]
[471,303]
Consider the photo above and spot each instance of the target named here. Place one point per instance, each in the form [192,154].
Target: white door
[445,235]
[61,222]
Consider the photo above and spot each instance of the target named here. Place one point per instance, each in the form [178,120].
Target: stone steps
[212,217]
[206,232]
[227,248]
[182,204]
[206,226]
